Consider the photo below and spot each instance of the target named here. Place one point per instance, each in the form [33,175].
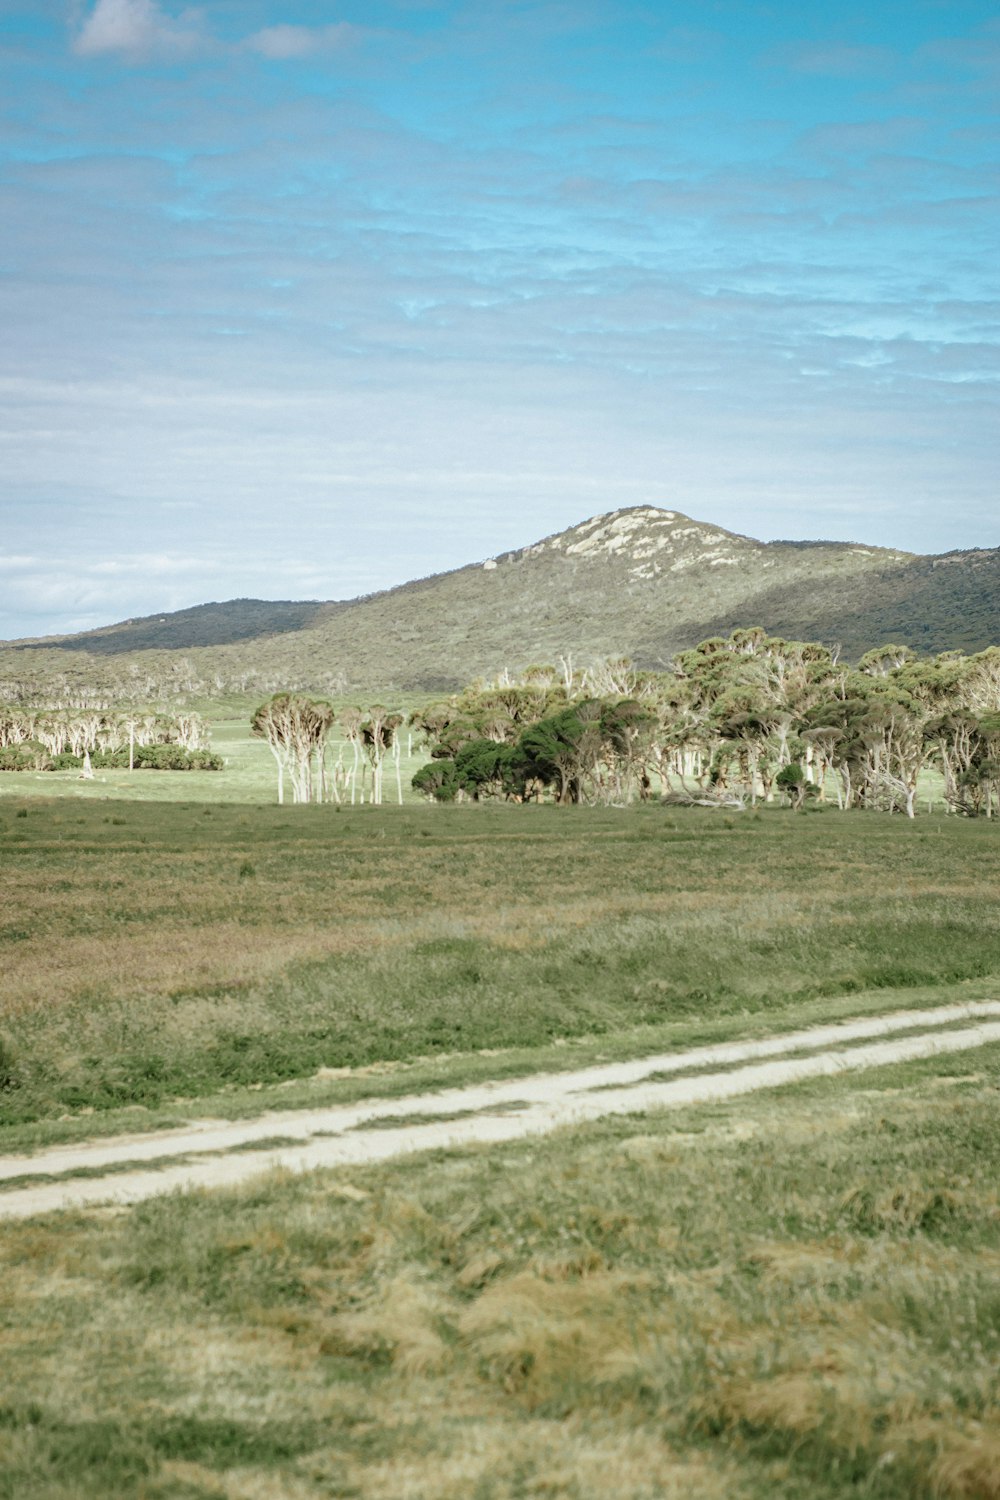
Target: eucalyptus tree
[979,687]
[378,734]
[549,753]
[745,751]
[350,723]
[437,780]
[967,749]
[884,660]
[295,728]
[190,730]
[820,742]
[893,750]
[484,768]
[983,776]
[16,725]
[954,741]
[628,730]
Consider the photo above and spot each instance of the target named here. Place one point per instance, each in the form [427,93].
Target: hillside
[640,582]
[204,625]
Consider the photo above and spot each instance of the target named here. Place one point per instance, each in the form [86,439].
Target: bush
[174,758]
[438,780]
[146,758]
[66,761]
[29,756]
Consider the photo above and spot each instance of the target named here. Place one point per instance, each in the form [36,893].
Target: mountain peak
[649,540]
[640,581]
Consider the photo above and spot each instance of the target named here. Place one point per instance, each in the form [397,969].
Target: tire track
[484,1114]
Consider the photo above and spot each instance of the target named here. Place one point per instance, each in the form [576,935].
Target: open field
[791,1294]
[161,951]
[248,777]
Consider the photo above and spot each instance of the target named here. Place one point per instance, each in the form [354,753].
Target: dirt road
[220,1153]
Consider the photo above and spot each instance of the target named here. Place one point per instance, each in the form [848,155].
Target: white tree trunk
[281,773]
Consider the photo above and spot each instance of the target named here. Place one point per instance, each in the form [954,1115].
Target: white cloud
[141,29]
[285,43]
[138,29]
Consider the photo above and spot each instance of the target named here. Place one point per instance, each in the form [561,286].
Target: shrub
[438,780]
[28,756]
[174,758]
[9,1079]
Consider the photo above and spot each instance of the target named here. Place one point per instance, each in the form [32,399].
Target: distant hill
[640,582]
[204,625]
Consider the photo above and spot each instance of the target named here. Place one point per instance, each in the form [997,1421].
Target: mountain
[640,582]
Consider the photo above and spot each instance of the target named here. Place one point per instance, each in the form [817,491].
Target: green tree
[296,729]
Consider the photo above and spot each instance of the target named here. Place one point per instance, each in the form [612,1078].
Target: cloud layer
[344,298]
[138,30]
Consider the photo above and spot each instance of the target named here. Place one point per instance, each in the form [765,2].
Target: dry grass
[141,962]
[790,1295]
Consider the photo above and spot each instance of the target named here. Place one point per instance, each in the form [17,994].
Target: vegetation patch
[144,963]
[790,1294]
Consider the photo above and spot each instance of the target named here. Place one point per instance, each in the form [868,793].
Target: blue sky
[304,300]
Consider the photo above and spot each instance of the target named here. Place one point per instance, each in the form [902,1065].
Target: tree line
[33,739]
[735,721]
[296,729]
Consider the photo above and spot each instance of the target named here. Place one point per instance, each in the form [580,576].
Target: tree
[350,723]
[549,752]
[437,780]
[484,769]
[378,736]
[295,728]
[791,780]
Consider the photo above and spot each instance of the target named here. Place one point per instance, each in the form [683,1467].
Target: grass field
[248,777]
[152,951]
[792,1294]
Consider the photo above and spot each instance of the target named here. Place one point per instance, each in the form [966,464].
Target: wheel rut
[211,1154]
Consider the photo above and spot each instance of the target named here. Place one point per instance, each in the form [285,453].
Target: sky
[303,300]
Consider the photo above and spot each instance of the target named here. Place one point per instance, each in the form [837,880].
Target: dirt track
[354,1135]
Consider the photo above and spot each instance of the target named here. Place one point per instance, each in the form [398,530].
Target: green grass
[249,775]
[793,1294]
[448,1070]
[142,964]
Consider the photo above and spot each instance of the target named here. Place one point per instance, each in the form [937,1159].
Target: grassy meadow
[248,776]
[161,951]
[793,1293]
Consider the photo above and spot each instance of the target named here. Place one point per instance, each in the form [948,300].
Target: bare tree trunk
[281,773]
